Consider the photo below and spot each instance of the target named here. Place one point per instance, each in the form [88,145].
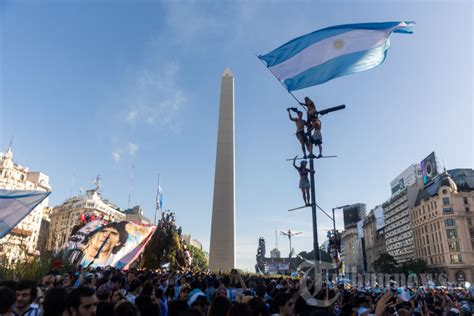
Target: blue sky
[94,87]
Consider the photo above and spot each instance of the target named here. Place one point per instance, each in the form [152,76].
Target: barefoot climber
[316,137]
[304,181]
[313,125]
[300,132]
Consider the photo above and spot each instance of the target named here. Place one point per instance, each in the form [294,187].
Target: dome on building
[447,181]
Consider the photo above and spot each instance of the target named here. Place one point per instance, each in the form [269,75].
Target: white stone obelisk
[222,248]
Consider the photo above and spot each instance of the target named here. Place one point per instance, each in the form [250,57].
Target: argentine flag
[332,52]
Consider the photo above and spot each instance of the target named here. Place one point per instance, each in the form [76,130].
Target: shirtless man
[304,181]
[311,111]
[300,133]
[315,137]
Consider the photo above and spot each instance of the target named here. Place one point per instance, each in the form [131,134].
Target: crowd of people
[88,291]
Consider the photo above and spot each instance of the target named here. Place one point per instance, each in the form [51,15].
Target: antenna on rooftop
[73,182]
[11,140]
[96,181]
[131,186]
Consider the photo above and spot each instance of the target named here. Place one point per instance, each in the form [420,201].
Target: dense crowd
[141,292]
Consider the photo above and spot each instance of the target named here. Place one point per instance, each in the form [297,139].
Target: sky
[115,88]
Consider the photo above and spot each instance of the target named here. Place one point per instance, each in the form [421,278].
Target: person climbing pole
[304,181]
[300,129]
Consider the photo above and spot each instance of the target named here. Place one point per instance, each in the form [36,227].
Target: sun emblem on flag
[338,44]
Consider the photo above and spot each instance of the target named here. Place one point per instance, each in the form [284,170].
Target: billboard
[429,168]
[115,244]
[379,218]
[406,178]
[352,214]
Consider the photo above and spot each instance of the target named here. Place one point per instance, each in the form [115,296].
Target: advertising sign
[406,178]
[429,168]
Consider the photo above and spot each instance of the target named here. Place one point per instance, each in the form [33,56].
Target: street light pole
[313,211]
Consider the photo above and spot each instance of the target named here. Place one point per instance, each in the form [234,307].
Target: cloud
[116,156]
[198,20]
[132,149]
[156,96]
[131,117]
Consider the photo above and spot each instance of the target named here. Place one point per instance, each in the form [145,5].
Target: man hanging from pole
[300,132]
[304,181]
[315,136]
[311,111]
[313,127]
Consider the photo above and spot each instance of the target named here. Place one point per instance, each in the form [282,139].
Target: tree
[416,266]
[386,263]
[165,246]
[199,261]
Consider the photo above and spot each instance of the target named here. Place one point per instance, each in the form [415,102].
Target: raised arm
[289,115]
[294,162]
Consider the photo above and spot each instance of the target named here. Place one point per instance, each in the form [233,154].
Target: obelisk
[222,248]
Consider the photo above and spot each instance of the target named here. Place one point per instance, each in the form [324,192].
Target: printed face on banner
[100,244]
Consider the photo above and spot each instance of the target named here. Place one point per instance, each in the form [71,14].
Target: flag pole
[294,97]
[157,201]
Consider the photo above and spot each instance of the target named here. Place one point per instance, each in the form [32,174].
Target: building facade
[135,214]
[22,241]
[75,211]
[374,240]
[443,226]
[398,230]
[351,252]
[193,242]
[353,214]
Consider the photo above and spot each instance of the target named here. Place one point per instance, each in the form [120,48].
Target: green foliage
[416,266]
[386,263]
[199,262]
[34,268]
[165,247]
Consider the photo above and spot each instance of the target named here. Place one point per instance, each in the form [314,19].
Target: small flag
[15,205]
[332,52]
[159,198]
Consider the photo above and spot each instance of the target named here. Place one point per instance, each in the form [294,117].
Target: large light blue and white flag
[332,52]
[16,205]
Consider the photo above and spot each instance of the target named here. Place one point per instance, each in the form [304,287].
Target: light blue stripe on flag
[338,67]
[359,46]
[15,205]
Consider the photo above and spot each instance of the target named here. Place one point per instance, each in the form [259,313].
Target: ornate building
[443,228]
[22,241]
[77,210]
[374,240]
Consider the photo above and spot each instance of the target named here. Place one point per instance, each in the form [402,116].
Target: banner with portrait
[102,244]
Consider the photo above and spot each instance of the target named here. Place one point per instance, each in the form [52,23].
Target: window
[452,233]
[450,222]
[448,210]
[454,246]
[467,209]
[469,221]
[445,201]
[465,200]
[456,259]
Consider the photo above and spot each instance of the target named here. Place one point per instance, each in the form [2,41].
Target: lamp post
[334,231]
[290,234]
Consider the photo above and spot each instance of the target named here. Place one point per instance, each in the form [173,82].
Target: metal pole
[313,211]
[334,231]
[289,237]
